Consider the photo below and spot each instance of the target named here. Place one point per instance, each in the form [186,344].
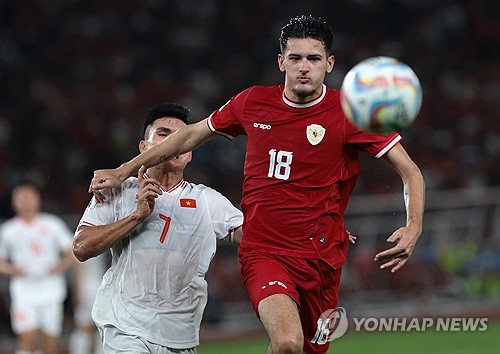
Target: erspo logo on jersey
[262,126]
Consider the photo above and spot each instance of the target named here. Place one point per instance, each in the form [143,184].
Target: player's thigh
[28,340]
[280,317]
[266,275]
[23,316]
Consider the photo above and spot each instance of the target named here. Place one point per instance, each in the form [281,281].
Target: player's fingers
[398,265]
[389,254]
[147,194]
[140,174]
[151,184]
[393,262]
[394,237]
[100,198]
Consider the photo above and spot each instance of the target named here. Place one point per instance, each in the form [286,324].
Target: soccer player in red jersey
[300,168]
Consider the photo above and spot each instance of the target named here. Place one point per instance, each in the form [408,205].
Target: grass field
[428,342]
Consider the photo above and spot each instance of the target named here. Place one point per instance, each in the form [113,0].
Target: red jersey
[301,165]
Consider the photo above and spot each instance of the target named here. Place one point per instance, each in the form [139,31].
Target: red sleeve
[375,144]
[227,120]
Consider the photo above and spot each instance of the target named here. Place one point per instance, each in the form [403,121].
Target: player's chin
[303,91]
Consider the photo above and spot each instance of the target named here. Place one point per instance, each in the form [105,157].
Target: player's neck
[167,179]
[305,97]
[27,217]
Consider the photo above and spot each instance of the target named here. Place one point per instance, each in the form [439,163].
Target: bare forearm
[414,187]
[414,195]
[7,268]
[91,241]
[238,235]
[180,142]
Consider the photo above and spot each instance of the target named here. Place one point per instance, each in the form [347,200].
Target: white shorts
[27,316]
[115,341]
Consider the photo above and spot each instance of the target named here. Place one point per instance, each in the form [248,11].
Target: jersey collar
[308,104]
[178,185]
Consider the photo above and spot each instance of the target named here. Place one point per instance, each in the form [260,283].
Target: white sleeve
[99,213]
[224,216]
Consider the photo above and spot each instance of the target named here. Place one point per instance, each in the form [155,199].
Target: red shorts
[312,283]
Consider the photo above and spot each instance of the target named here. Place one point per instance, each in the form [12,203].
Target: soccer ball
[381,94]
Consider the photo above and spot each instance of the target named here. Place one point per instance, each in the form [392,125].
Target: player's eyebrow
[163,130]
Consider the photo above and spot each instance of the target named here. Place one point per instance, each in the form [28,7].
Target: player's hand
[104,179]
[149,190]
[397,256]
[352,238]
[17,271]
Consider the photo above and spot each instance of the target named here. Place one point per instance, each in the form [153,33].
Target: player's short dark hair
[307,27]
[168,109]
[27,183]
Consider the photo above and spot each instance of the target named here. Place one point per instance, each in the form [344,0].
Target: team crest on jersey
[315,133]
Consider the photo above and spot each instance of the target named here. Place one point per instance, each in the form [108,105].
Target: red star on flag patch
[188,203]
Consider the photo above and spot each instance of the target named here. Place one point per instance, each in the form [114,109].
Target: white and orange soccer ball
[381,94]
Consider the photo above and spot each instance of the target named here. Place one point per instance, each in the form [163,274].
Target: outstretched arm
[180,142]
[414,196]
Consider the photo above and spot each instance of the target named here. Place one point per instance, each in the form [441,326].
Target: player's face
[26,200]
[157,132]
[305,64]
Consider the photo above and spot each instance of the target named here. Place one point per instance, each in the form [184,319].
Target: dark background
[77,78]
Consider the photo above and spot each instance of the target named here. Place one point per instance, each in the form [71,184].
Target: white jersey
[155,287]
[36,247]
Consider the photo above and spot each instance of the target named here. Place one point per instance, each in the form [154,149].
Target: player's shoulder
[49,217]
[8,225]
[332,93]
[130,183]
[199,189]
[263,92]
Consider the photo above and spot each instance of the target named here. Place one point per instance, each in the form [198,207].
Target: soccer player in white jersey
[35,251]
[162,232]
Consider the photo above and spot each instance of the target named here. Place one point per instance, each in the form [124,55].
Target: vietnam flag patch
[188,203]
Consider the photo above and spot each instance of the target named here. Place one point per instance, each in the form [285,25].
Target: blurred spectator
[35,251]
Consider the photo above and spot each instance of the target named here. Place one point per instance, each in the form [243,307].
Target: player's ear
[330,63]
[142,146]
[281,59]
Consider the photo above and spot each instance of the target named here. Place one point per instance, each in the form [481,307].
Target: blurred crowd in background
[78,77]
